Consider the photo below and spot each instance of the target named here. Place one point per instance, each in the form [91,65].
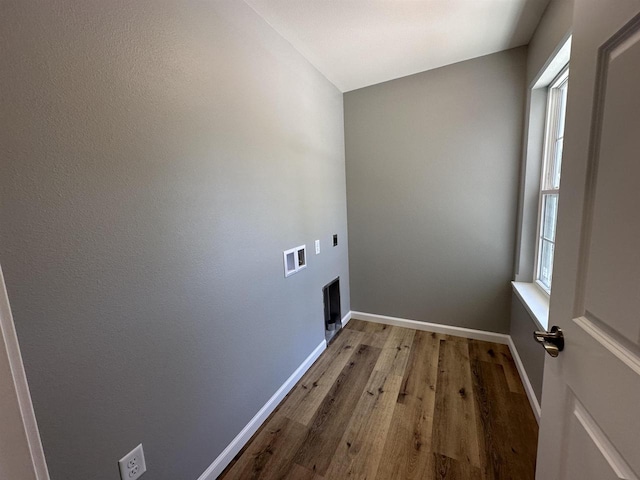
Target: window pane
[549,216]
[557,164]
[550,178]
[546,264]
[563,110]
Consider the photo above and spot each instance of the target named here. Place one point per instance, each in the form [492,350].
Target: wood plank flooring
[386,402]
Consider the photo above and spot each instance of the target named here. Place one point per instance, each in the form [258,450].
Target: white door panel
[590,424]
[590,453]
[605,385]
[613,277]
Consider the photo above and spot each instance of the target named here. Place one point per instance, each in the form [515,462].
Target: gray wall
[554,28]
[157,158]
[530,352]
[432,173]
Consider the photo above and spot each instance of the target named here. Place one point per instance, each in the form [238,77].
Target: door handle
[552,341]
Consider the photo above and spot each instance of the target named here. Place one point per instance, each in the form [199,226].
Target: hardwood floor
[386,402]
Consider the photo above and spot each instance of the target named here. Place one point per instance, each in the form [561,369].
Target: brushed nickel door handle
[552,341]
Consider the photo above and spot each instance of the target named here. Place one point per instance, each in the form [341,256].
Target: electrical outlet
[317,247]
[132,465]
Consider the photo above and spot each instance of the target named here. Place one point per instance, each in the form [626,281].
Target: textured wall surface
[157,158]
[432,169]
[531,353]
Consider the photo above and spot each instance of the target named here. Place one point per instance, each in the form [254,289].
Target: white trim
[500,338]
[610,453]
[554,64]
[528,388]
[535,301]
[228,454]
[346,319]
[625,355]
[8,333]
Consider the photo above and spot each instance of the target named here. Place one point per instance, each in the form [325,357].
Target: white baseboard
[346,319]
[528,388]
[228,454]
[500,338]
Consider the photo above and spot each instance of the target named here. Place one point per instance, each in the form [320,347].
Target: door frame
[17,384]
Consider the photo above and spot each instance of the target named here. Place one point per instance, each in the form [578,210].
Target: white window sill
[535,301]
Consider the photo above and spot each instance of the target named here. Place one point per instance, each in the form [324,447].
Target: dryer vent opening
[332,314]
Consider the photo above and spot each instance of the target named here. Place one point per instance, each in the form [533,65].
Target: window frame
[554,114]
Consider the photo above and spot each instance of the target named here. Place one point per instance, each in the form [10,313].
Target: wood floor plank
[333,415]
[395,351]
[498,353]
[505,434]
[489,429]
[360,449]
[456,412]
[357,325]
[376,334]
[374,327]
[485,351]
[524,432]
[511,373]
[271,453]
[306,397]
[454,428]
[301,473]
[450,469]
[406,451]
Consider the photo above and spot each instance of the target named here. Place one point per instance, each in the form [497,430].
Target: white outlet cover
[317,247]
[132,465]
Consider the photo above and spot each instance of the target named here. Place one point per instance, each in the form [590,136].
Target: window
[540,184]
[550,179]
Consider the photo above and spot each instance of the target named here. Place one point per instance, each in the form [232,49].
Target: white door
[590,426]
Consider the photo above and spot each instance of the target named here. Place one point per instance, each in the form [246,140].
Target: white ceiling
[356,43]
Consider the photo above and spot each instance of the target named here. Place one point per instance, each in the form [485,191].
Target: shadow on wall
[528,16]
